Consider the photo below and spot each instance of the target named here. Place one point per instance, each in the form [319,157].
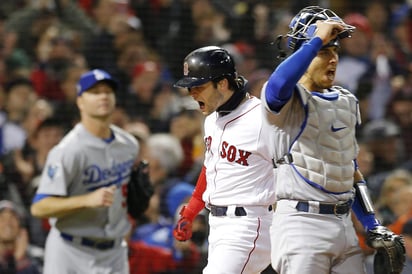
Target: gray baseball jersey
[82,163]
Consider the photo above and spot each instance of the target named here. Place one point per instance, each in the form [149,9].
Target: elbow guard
[363,206]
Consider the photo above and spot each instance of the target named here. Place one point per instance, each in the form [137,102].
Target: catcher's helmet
[303,26]
[206,64]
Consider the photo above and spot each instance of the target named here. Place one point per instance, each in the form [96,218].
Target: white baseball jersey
[239,173]
[238,157]
[82,163]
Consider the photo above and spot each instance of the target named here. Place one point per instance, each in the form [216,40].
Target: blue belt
[337,209]
[93,243]
[219,211]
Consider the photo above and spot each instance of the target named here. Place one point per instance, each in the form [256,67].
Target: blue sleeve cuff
[282,81]
[368,221]
[39,197]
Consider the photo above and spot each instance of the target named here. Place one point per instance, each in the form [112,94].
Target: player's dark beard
[236,98]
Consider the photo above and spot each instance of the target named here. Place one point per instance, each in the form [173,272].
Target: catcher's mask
[206,64]
[303,26]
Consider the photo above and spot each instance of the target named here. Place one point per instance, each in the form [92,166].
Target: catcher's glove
[390,250]
[139,190]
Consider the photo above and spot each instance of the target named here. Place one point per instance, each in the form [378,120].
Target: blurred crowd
[45,45]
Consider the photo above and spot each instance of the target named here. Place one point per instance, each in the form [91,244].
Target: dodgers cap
[91,78]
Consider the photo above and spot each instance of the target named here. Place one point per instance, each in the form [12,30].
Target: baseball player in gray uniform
[318,181]
[236,183]
[83,187]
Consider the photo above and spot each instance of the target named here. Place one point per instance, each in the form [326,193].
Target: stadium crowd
[45,46]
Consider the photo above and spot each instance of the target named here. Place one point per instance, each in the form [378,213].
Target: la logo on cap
[99,75]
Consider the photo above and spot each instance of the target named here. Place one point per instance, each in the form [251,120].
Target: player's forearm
[281,83]
[362,206]
[196,204]
[54,207]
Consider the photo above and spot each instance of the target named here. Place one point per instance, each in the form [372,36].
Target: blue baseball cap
[177,195]
[90,78]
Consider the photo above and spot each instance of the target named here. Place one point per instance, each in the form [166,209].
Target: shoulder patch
[52,170]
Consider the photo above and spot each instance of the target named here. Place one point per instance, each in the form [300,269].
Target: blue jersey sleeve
[281,83]
[368,220]
[39,197]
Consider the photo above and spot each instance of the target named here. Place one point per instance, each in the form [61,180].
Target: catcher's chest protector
[327,145]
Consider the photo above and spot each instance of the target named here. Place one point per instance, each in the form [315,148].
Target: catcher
[318,180]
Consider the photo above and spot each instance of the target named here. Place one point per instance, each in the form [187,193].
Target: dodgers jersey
[238,157]
[82,163]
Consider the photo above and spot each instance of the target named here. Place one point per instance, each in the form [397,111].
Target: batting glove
[183,228]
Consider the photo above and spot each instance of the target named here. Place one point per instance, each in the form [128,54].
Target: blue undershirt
[283,80]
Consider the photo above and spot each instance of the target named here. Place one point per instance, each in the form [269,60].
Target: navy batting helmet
[303,26]
[206,64]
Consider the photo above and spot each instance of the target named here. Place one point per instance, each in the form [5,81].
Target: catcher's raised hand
[390,250]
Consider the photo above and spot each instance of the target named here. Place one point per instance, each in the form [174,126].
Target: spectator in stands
[14,256]
[165,155]
[149,98]
[187,126]
[30,22]
[152,246]
[24,166]
[383,138]
[400,111]
[145,82]
[56,51]
[378,13]
[40,110]
[355,61]
[387,205]
[102,49]
[20,95]
[367,57]
[401,29]
[66,110]
[141,132]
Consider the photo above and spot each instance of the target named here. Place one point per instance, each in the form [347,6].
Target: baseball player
[236,183]
[83,187]
[318,182]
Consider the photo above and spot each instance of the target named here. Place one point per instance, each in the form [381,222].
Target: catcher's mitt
[390,250]
[139,190]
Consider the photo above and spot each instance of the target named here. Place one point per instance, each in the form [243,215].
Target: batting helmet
[303,26]
[206,64]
